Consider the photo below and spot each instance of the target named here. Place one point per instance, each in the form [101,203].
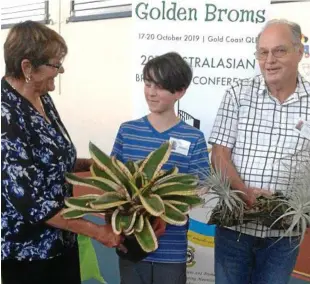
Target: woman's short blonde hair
[33,41]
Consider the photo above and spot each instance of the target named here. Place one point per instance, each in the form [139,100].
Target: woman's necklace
[44,113]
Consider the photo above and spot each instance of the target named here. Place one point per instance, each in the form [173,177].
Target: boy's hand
[159,227]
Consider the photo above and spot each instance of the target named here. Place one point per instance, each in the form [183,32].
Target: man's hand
[252,193]
[159,227]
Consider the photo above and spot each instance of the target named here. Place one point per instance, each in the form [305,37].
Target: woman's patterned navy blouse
[35,156]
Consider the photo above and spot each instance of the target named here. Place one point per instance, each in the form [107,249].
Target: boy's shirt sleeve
[199,163]
[117,150]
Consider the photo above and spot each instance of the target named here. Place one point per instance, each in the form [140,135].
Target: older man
[257,144]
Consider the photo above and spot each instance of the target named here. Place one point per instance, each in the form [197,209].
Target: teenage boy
[166,79]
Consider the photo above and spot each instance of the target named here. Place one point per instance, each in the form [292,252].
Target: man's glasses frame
[277,52]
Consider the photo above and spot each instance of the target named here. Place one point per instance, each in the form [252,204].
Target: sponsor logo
[190,256]
[304,40]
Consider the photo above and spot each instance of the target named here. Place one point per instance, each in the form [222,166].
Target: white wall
[93,96]
[96,87]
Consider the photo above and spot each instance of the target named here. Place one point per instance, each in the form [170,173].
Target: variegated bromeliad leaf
[134,192]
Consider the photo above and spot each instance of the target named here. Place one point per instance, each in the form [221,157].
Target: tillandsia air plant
[295,207]
[289,212]
[230,207]
[134,192]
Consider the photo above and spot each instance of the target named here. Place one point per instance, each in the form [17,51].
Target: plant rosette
[134,193]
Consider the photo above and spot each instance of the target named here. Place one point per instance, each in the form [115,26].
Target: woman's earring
[27,79]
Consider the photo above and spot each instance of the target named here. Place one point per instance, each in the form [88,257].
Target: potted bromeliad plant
[289,212]
[133,194]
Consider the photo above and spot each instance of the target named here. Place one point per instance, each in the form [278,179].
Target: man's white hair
[294,27]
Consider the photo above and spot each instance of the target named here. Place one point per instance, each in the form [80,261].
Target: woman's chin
[51,87]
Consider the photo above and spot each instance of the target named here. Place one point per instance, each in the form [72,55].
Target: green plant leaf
[190,200]
[139,163]
[123,174]
[173,215]
[132,188]
[148,186]
[96,182]
[96,172]
[179,178]
[140,179]
[108,200]
[128,233]
[155,160]
[162,174]
[116,222]
[70,213]
[82,202]
[122,168]
[128,221]
[138,227]
[183,207]
[132,167]
[103,162]
[175,188]
[153,204]
[146,238]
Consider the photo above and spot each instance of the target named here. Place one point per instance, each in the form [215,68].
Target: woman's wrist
[78,226]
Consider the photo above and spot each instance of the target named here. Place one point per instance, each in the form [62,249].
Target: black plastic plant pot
[135,253]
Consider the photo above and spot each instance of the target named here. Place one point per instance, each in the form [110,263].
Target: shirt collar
[302,88]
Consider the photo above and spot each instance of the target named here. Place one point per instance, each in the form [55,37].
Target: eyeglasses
[57,66]
[277,52]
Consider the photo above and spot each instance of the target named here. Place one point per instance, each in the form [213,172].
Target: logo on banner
[190,256]
[304,40]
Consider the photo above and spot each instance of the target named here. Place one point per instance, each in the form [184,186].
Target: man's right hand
[251,193]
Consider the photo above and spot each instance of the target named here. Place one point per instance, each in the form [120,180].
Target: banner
[217,38]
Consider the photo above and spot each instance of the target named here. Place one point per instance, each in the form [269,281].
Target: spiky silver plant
[230,207]
[290,212]
[295,215]
[134,192]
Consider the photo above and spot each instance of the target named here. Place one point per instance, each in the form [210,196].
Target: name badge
[180,146]
[303,128]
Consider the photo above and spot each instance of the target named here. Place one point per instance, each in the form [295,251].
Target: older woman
[38,245]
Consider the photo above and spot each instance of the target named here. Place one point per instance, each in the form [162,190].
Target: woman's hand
[102,233]
[106,236]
